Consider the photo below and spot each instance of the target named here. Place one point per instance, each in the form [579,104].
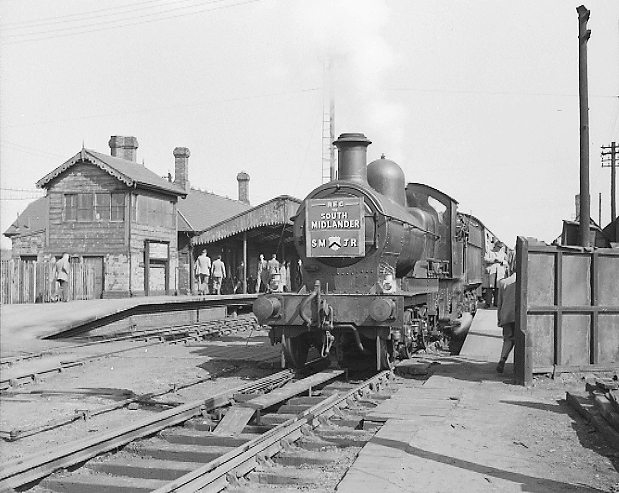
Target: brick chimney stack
[181,167]
[124,147]
[243,179]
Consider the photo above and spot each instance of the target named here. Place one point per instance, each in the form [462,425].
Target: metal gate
[567,309]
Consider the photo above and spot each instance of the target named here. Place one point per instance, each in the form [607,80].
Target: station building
[134,227]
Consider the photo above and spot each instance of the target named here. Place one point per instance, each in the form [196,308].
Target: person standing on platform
[273,267]
[506,311]
[288,286]
[218,273]
[283,276]
[262,279]
[298,275]
[496,264]
[62,276]
[203,272]
[240,278]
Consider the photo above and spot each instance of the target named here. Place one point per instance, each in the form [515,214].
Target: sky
[476,98]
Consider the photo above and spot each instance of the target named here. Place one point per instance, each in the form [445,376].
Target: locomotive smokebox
[352,157]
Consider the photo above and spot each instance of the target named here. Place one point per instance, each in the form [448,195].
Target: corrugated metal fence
[567,309]
[34,282]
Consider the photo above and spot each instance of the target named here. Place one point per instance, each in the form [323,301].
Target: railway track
[234,438]
[172,334]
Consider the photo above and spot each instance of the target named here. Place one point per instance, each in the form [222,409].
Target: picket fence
[35,282]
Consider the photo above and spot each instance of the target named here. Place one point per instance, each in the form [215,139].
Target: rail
[24,471]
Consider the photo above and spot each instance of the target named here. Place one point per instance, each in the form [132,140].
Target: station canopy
[270,222]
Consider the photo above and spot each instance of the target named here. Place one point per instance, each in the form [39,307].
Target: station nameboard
[335,227]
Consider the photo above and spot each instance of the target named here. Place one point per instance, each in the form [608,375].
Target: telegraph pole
[329,163]
[583,93]
[612,150]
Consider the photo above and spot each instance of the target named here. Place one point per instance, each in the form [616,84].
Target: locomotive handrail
[414,226]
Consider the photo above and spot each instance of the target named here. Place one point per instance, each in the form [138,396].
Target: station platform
[467,428]
[23,327]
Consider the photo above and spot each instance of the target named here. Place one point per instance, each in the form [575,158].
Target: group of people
[209,272]
[272,275]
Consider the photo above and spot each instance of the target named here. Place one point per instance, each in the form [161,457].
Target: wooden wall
[139,234]
[94,238]
[121,244]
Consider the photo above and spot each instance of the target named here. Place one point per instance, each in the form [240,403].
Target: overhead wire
[32,190]
[497,93]
[168,107]
[79,16]
[6,39]
[31,150]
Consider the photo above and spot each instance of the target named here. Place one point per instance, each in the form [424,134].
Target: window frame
[70,207]
[90,207]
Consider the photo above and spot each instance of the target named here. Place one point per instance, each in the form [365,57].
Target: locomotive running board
[412,286]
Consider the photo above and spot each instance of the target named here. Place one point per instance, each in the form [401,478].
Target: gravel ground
[514,429]
[140,371]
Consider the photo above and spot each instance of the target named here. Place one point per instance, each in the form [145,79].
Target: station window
[70,207]
[102,206]
[84,207]
[117,207]
[154,211]
[89,207]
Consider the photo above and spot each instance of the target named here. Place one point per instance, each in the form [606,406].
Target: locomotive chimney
[352,157]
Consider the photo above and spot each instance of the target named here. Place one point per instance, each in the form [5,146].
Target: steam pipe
[306,302]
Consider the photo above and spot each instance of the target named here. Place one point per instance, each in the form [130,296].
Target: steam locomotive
[384,268]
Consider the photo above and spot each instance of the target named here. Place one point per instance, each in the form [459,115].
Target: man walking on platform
[218,272]
[240,279]
[506,311]
[62,276]
[262,278]
[203,272]
[273,268]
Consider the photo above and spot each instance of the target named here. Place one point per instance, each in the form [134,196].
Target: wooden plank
[234,421]
[292,389]
[586,408]
[605,408]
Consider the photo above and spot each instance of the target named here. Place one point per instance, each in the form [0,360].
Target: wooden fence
[35,282]
[567,309]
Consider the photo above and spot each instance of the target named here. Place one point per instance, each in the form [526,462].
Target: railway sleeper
[179,452]
[343,440]
[140,467]
[276,419]
[298,457]
[347,421]
[87,482]
[190,437]
[309,401]
[290,476]
[267,488]
[293,408]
